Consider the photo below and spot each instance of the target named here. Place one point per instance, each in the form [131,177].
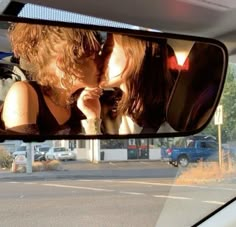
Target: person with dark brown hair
[138,68]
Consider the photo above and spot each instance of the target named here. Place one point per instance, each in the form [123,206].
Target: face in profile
[88,73]
[115,62]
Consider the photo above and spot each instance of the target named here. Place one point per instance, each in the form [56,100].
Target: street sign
[219,115]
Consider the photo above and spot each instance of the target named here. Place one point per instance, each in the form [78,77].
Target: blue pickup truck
[194,151]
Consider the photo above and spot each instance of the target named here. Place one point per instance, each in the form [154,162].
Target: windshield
[21,148]
[208,183]
[60,149]
[133,182]
[44,148]
[144,182]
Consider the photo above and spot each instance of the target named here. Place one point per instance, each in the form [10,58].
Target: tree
[228,100]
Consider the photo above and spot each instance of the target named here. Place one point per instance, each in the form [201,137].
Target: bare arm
[88,102]
[20,108]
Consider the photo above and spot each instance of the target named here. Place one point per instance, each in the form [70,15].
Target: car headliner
[212,18]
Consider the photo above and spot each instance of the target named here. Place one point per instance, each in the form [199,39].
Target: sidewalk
[82,170]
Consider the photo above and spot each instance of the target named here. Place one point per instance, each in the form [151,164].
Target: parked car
[40,152]
[21,150]
[60,153]
[39,157]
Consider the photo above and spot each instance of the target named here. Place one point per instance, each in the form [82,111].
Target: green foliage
[228,100]
[5,159]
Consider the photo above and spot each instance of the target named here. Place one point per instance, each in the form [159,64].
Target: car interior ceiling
[200,18]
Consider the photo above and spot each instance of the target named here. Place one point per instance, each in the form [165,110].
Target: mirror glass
[196,88]
[60,82]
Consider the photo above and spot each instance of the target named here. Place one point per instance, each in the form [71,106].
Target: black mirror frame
[150,35]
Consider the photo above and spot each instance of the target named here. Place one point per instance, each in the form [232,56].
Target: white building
[113,150]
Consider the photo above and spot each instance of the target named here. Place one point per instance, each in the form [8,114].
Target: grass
[205,172]
[5,159]
[53,165]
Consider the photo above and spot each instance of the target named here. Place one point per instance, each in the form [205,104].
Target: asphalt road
[112,202]
[107,201]
[85,169]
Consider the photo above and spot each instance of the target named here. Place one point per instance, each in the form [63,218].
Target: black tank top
[47,123]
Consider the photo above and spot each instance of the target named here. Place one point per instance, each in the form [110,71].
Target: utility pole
[219,122]
[29,158]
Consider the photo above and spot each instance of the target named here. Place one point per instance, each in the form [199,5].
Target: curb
[82,174]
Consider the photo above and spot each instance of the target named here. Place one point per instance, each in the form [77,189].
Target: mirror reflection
[193,100]
[71,81]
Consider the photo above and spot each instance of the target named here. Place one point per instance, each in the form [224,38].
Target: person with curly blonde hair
[63,94]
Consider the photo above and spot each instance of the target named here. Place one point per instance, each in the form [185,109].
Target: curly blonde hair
[38,45]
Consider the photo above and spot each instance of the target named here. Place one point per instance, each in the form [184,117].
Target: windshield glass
[208,182]
[44,148]
[126,182]
[144,182]
[60,149]
[21,148]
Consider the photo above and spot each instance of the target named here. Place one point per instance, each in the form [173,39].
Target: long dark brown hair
[147,80]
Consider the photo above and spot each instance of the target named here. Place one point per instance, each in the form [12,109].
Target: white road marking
[172,197]
[214,202]
[168,184]
[109,181]
[148,183]
[224,188]
[132,193]
[160,184]
[78,187]
[85,180]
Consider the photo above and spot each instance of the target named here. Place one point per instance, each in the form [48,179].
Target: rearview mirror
[82,81]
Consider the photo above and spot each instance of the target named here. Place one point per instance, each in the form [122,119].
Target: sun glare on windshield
[41,12]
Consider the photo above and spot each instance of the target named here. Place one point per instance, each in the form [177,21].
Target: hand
[88,102]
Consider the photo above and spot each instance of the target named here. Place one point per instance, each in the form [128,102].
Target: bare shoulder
[21,89]
[20,105]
